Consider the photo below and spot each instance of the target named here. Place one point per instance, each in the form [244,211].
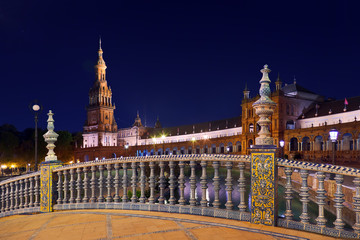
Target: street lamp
[36,108]
[282,144]
[163,138]
[333,137]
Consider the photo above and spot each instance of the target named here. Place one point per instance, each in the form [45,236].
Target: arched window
[290,124]
[306,144]
[250,143]
[238,146]
[213,148]
[251,127]
[293,144]
[229,148]
[222,148]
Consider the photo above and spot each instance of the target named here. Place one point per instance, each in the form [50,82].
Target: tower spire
[99,42]
[100,67]
[278,83]
[246,92]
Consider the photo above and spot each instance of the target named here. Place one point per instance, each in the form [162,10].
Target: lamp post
[333,137]
[36,108]
[282,144]
[163,140]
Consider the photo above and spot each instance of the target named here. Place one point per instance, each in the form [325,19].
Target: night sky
[184,61]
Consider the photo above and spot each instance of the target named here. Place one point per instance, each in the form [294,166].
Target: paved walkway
[123,224]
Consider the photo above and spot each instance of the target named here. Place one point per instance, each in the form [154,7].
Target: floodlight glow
[282,143]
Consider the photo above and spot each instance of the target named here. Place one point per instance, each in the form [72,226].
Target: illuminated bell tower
[100,128]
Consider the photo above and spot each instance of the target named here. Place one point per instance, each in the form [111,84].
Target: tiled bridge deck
[126,224]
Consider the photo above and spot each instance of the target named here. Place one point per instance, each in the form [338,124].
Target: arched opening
[86,158]
[250,143]
[251,127]
[229,148]
[319,143]
[206,149]
[306,144]
[167,151]
[160,151]
[238,146]
[190,150]
[151,152]
[213,148]
[222,148]
[293,144]
[347,142]
[290,124]
[182,150]
[113,155]
[197,150]
[174,151]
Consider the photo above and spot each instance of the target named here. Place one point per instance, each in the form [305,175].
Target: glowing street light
[333,137]
[3,167]
[193,142]
[282,144]
[126,148]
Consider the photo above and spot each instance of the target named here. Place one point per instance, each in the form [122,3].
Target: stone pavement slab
[127,224]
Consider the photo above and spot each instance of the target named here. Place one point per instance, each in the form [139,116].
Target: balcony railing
[190,184]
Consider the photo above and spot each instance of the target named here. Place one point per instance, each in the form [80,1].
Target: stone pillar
[46,168]
[263,162]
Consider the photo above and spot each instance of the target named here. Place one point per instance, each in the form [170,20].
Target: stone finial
[264,108]
[50,138]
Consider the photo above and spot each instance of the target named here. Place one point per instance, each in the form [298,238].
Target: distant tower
[158,124]
[246,92]
[137,122]
[100,128]
[278,83]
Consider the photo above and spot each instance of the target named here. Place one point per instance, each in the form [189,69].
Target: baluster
[229,187]
[182,183]
[125,183]
[152,182]
[304,194]
[172,181]
[12,193]
[288,194]
[31,204]
[321,220]
[72,185]
[21,192]
[7,197]
[133,182]
[142,182]
[26,181]
[356,203]
[203,182]
[93,184]
[78,185]
[59,187]
[108,183]
[3,198]
[117,182]
[66,187]
[339,199]
[101,184]
[242,204]
[216,180]
[86,185]
[162,182]
[17,194]
[192,178]
[37,191]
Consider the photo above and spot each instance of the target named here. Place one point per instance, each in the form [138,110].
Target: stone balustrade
[172,184]
[20,194]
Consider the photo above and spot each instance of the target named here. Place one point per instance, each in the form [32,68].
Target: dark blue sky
[186,61]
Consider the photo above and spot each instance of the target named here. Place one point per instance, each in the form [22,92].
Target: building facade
[301,118]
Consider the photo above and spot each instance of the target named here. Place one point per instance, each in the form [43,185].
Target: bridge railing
[172,183]
[20,194]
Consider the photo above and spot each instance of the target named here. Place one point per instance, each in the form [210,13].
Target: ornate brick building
[301,118]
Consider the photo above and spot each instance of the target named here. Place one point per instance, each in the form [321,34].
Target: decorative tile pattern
[46,184]
[263,188]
